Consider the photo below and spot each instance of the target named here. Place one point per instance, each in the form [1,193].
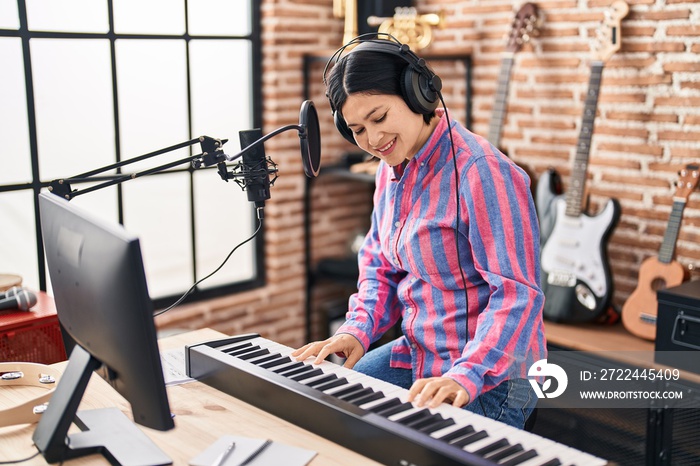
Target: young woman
[453,249]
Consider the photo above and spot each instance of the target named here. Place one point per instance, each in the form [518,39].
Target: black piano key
[429,420]
[267,359]
[459,433]
[333,384]
[470,439]
[417,416]
[237,348]
[357,394]
[505,453]
[491,447]
[366,399]
[322,380]
[307,375]
[254,354]
[347,390]
[387,404]
[288,367]
[298,370]
[552,462]
[395,410]
[430,428]
[519,459]
[276,362]
[244,350]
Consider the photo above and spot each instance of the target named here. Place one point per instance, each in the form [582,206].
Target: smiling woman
[452,249]
[87,84]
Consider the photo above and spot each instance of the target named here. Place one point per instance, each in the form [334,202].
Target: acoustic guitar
[658,273]
[576,277]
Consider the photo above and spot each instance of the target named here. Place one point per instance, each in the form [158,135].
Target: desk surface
[202,415]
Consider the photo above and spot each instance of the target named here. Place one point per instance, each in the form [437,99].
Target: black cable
[22,460]
[457,220]
[187,293]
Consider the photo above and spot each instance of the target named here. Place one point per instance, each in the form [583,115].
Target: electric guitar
[525,26]
[658,273]
[576,277]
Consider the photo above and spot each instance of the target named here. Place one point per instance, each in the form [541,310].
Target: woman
[453,249]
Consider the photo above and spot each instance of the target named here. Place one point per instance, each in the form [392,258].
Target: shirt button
[413,345]
[409,310]
[397,224]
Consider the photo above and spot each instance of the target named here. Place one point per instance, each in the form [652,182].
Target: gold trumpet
[409,27]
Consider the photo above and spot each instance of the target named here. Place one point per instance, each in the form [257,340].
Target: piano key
[264,359]
[330,385]
[367,398]
[492,447]
[321,380]
[287,367]
[399,408]
[254,354]
[357,394]
[430,428]
[504,453]
[419,415]
[299,370]
[241,351]
[277,362]
[520,458]
[391,402]
[237,347]
[479,437]
[307,375]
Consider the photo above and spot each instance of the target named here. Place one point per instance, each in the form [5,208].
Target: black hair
[366,72]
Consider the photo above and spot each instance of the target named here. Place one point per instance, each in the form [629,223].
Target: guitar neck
[499,105]
[668,247]
[574,195]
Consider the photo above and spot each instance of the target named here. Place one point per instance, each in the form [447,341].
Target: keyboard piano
[365,414]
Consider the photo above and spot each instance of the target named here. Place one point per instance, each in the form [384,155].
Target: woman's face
[385,127]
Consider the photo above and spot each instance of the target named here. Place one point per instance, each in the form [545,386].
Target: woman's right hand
[343,343]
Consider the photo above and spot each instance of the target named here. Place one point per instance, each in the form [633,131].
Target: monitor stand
[106,431]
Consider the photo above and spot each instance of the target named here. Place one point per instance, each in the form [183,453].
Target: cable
[22,460]
[459,259]
[187,293]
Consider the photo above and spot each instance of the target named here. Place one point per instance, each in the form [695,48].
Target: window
[88,83]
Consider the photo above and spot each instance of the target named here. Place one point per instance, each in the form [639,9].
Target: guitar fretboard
[574,196]
[668,247]
[499,105]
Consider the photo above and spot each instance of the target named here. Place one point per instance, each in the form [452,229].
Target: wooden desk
[202,415]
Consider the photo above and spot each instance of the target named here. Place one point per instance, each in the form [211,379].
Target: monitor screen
[102,301]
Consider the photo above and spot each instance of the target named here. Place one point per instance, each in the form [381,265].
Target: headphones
[420,87]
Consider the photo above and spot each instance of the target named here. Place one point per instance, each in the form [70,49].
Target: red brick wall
[646,128]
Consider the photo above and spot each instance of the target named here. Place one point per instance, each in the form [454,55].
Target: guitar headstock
[688,181]
[610,35]
[525,25]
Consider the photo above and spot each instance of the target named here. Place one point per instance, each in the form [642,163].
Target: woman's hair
[366,72]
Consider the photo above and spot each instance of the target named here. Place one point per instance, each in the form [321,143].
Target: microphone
[20,299]
[256,168]
[255,171]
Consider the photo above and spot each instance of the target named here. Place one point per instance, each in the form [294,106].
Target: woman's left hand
[436,390]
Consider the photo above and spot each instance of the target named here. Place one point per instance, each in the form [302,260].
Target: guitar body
[640,310]
[576,277]
[549,187]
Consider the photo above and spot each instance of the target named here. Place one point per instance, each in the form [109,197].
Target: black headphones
[420,87]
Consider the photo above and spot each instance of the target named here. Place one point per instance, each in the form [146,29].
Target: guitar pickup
[561,278]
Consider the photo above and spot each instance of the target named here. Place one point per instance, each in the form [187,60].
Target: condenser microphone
[255,171]
[22,300]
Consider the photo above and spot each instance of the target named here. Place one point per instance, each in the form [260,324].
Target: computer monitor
[102,301]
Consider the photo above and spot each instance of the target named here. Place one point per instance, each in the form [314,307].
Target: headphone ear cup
[417,91]
[343,128]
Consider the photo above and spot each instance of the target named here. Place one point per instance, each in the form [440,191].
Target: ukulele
[525,25]
[576,278]
[658,273]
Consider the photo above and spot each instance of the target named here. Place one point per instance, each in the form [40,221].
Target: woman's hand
[436,390]
[342,343]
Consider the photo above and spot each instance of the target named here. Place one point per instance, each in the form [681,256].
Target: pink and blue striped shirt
[409,268]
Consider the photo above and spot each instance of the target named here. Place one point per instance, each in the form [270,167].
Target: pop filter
[310,139]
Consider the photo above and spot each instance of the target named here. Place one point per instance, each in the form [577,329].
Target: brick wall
[647,127]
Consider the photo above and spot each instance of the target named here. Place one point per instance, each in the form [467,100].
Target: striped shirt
[409,268]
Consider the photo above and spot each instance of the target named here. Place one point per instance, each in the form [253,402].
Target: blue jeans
[511,402]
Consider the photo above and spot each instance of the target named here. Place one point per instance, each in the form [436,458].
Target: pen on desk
[256,453]
[221,460]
